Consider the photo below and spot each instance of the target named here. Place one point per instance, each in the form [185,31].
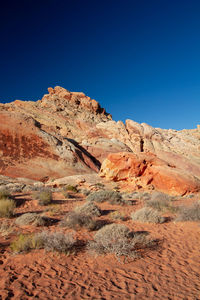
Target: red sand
[170,271]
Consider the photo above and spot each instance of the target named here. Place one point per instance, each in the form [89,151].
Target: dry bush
[189,213]
[112,197]
[56,241]
[88,208]
[4,194]
[147,215]
[44,197]
[117,215]
[119,240]
[6,228]
[53,209]
[76,221]
[7,208]
[160,201]
[33,219]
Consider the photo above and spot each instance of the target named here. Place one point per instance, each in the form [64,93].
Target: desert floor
[169,271]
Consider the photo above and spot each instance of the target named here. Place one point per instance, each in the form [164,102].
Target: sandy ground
[170,271]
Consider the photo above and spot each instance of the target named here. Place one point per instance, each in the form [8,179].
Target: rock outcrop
[147,171]
[67,133]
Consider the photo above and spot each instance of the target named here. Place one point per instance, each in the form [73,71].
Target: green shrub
[76,221]
[112,197]
[7,208]
[24,243]
[189,213]
[88,208]
[70,188]
[44,197]
[147,215]
[33,219]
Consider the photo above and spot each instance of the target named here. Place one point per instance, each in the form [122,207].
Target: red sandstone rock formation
[67,133]
[146,170]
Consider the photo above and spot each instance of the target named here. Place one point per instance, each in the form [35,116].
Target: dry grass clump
[189,213]
[147,215]
[7,208]
[160,201]
[77,221]
[4,194]
[89,208]
[44,197]
[112,197]
[24,243]
[119,240]
[56,241]
[32,219]
[70,188]
[6,228]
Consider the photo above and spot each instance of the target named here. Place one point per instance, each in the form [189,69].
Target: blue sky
[139,59]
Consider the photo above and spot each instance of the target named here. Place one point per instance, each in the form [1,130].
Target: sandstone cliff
[67,133]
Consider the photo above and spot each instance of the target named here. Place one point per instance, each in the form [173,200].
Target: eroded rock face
[67,133]
[146,170]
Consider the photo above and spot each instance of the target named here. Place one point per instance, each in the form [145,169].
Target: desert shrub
[7,208]
[33,219]
[189,213]
[53,209]
[24,243]
[70,188]
[116,215]
[4,193]
[99,185]
[67,195]
[159,201]
[147,215]
[56,241]
[110,196]
[76,221]
[44,197]
[85,192]
[6,228]
[88,208]
[119,240]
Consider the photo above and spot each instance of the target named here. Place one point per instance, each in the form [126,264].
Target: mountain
[67,133]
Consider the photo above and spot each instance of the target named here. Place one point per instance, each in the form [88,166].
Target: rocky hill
[67,133]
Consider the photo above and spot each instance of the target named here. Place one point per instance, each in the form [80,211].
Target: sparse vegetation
[89,208]
[4,194]
[76,221]
[189,213]
[117,215]
[147,215]
[56,241]
[24,243]
[160,202]
[6,228]
[33,219]
[7,207]
[44,197]
[112,197]
[119,240]
[70,188]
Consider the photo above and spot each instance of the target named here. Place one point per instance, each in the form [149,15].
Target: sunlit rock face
[68,133]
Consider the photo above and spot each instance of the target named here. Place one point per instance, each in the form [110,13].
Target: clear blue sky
[139,59]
